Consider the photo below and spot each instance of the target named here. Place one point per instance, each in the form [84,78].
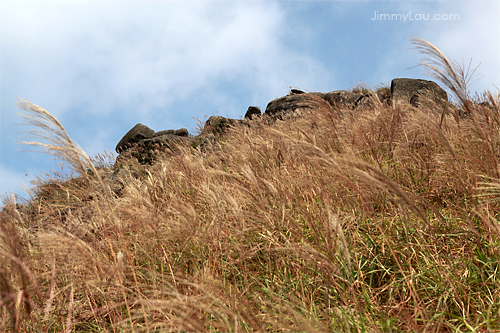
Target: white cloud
[124,61]
[117,54]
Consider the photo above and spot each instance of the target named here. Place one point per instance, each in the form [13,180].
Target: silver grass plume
[451,74]
[51,130]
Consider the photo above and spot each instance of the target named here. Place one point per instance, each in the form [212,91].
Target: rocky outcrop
[137,133]
[252,112]
[294,104]
[147,151]
[414,91]
[145,145]
[180,132]
[218,124]
[141,133]
[298,102]
[342,98]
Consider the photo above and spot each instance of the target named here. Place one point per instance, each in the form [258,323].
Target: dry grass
[379,219]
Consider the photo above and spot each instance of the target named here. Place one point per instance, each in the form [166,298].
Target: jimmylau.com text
[415,17]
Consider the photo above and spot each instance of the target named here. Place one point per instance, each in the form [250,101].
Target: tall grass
[383,218]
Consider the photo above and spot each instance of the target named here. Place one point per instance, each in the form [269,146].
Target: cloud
[182,59]
[101,67]
[148,55]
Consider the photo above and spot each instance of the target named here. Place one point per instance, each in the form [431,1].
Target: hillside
[379,217]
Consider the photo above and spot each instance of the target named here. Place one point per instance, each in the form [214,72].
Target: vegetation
[383,218]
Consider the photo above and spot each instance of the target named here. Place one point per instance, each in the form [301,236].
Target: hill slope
[383,218]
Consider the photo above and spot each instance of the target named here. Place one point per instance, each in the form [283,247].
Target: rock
[252,112]
[294,105]
[179,132]
[298,102]
[218,124]
[137,133]
[413,90]
[145,145]
[369,100]
[343,98]
[165,141]
[147,151]
[142,145]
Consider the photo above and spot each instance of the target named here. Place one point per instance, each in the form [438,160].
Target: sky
[101,67]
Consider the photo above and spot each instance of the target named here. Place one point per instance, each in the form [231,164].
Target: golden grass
[384,218]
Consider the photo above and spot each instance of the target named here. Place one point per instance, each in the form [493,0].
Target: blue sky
[103,66]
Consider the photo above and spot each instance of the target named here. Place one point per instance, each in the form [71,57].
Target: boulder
[294,104]
[179,132]
[297,91]
[343,98]
[147,151]
[166,141]
[218,124]
[138,132]
[413,91]
[252,112]
[298,102]
[368,99]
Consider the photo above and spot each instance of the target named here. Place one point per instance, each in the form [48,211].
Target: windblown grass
[380,219]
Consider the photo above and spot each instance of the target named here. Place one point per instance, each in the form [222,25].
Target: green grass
[381,219]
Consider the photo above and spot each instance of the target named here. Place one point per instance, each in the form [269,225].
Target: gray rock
[342,98]
[252,112]
[369,100]
[165,140]
[218,124]
[147,151]
[138,132]
[413,91]
[179,132]
[294,105]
